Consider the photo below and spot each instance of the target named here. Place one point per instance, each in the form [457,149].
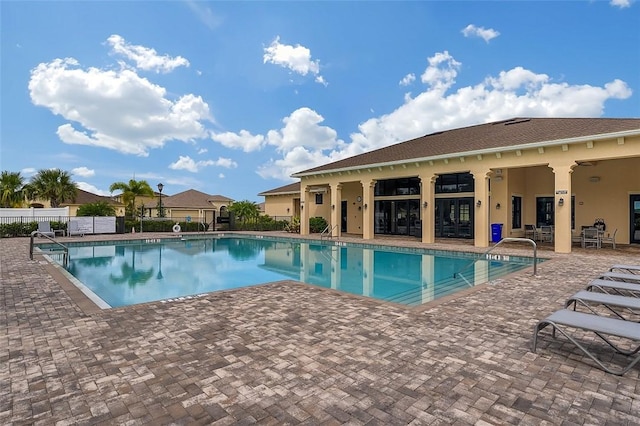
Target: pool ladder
[64,252]
[328,232]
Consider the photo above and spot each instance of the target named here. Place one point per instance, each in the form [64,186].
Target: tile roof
[500,134]
[286,189]
[84,197]
[191,199]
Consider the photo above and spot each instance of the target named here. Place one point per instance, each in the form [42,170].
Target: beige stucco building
[194,205]
[562,173]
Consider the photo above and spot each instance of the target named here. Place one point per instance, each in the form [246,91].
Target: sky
[230,98]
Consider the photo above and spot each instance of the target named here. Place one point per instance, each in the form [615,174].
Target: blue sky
[231,98]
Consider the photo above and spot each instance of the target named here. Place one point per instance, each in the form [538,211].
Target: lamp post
[160,212]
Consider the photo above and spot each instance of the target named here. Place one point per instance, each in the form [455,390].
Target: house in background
[191,205]
[559,172]
[84,197]
[282,201]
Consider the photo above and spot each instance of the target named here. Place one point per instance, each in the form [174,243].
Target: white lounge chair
[565,319]
[74,229]
[44,228]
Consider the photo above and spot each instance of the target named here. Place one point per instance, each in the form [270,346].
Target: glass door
[454,217]
[635,219]
[544,211]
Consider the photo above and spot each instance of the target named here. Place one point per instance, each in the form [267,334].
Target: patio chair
[44,228]
[609,239]
[545,234]
[74,229]
[601,326]
[590,238]
[530,232]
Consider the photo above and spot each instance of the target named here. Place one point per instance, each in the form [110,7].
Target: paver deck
[288,353]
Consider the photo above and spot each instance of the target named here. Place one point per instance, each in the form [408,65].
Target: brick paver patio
[288,353]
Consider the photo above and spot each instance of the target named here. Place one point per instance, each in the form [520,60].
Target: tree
[100,208]
[54,185]
[245,210]
[130,191]
[11,189]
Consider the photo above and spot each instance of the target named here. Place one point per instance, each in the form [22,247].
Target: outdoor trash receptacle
[496,232]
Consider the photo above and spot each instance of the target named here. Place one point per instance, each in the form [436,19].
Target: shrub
[317,224]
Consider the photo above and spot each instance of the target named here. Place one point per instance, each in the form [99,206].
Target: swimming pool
[121,273]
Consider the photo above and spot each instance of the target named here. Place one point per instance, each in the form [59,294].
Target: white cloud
[83,171]
[408,79]
[484,33]
[118,110]
[620,3]
[296,58]
[28,171]
[221,176]
[91,188]
[243,140]
[302,129]
[145,57]
[227,163]
[203,151]
[305,144]
[204,13]
[188,164]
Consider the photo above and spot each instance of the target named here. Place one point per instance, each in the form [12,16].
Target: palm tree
[11,189]
[54,185]
[245,210]
[131,190]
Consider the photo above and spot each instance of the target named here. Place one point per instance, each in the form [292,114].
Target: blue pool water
[131,272]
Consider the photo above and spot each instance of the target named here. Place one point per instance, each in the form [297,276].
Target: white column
[304,210]
[428,207]
[481,207]
[336,201]
[368,208]
[562,207]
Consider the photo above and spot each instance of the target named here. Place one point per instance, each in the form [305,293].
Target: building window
[454,183]
[516,212]
[319,198]
[403,186]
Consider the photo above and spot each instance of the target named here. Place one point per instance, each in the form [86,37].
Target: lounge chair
[625,269]
[44,228]
[616,304]
[617,276]
[74,229]
[602,326]
[615,287]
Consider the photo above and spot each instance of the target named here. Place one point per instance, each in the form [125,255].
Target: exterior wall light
[478,203]
[498,206]
[365,206]
[333,206]
[561,202]
[425,204]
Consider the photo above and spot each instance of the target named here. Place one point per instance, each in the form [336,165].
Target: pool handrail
[65,249]
[508,239]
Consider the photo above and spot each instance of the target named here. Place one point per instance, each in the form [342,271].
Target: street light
[160,213]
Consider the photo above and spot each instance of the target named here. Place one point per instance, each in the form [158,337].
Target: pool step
[444,287]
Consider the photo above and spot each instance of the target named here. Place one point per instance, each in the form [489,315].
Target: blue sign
[188,218]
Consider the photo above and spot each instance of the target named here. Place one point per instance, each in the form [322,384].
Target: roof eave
[555,142]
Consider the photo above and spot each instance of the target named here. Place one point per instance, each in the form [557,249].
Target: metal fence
[20,226]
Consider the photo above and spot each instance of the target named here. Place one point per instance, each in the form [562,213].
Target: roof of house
[292,188]
[514,133]
[84,197]
[191,199]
